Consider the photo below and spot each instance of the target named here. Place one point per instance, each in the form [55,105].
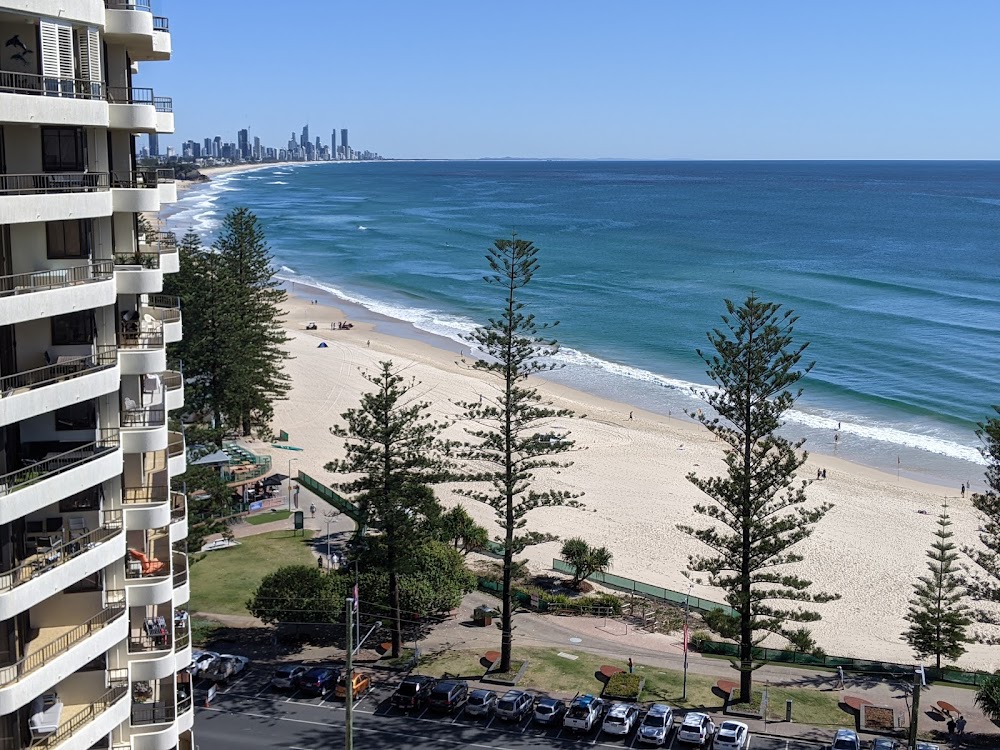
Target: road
[250,714]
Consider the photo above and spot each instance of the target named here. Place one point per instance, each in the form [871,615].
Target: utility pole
[687,601]
[918,680]
[349,677]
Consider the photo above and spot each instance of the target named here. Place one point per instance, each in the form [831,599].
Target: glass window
[63,150]
[81,416]
[68,239]
[73,328]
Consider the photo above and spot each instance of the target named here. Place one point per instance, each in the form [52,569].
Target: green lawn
[222,581]
[280,515]
[551,673]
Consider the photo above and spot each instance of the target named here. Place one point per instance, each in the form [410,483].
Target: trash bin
[483,616]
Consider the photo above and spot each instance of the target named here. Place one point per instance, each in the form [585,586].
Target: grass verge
[222,581]
[279,515]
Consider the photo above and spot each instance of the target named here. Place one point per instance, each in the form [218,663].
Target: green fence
[867,666]
[638,587]
[345,506]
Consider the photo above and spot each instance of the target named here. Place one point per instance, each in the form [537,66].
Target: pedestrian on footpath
[630,666]
[951,728]
[960,725]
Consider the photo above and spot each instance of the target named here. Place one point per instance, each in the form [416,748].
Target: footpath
[611,639]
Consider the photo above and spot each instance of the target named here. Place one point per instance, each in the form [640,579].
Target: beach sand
[869,548]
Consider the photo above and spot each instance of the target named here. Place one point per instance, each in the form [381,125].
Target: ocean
[892,268]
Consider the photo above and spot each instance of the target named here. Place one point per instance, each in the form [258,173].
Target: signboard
[211,695]
[257,505]
[534,601]
[300,519]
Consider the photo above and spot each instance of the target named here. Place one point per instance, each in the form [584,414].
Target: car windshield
[655,721]
[505,705]
[545,709]
[614,719]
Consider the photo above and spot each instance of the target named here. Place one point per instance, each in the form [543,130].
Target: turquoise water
[892,268]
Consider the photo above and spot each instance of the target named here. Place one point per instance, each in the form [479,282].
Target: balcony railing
[147,338]
[144,260]
[32,83]
[167,174]
[113,609]
[180,569]
[144,495]
[162,239]
[65,369]
[141,178]
[54,182]
[152,567]
[178,508]
[57,464]
[172,380]
[148,417]
[153,713]
[60,554]
[129,95]
[40,281]
[139,642]
[87,715]
[129,5]
[167,301]
[161,23]
[175,446]
[163,103]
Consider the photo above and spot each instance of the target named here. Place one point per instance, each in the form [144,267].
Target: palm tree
[585,559]
[988,697]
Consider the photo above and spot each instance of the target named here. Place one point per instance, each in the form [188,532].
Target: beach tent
[322,345]
[218,458]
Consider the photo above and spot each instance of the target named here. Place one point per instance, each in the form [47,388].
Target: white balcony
[56,568]
[59,651]
[32,99]
[165,124]
[176,454]
[148,576]
[144,429]
[182,581]
[173,385]
[141,350]
[182,644]
[129,22]
[68,381]
[164,310]
[150,658]
[55,196]
[178,524]
[138,273]
[81,726]
[60,474]
[161,734]
[45,294]
[185,716]
[162,45]
[161,244]
[146,507]
[135,192]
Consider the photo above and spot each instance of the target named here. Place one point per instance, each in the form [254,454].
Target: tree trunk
[396,624]
[506,615]
[217,416]
[246,424]
[746,607]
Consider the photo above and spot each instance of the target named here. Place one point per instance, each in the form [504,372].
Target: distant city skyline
[725,80]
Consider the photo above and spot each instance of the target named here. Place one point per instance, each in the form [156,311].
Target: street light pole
[290,483]
[687,602]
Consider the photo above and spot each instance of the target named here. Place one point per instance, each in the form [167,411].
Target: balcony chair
[149,567]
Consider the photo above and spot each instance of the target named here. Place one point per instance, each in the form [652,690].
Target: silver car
[481,703]
[656,725]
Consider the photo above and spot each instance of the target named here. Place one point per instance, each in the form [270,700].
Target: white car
[226,667]
[200,661]
[656,725]
[620,719]
[583,713]
[732,735]
[697,729]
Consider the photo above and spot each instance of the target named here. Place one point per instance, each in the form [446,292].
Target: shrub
[623,685]
[697,639]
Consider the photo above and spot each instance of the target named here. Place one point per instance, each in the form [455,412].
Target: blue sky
[646,80]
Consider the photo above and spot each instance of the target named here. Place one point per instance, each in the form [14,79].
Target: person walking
[312,509]
[960,725]
[630,665]
[951,728]
[963,490]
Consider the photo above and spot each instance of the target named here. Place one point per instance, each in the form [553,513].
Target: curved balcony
[178,521]
[154,726]
[151,657]
[32,99]
[141,350]
[182,642]
[165,310]
[60,474]
[165,119]
[69,381]
[45,294]
[53,196]
[176,454]
[173,386]
[185,715]
[144,429]
[131,109]
[168,187]
[81,726]
[162,46]
[182,582]
[161,244]
[135,192]
[56,652]
[55,569]
[146,507]
[148,580]
[138,273]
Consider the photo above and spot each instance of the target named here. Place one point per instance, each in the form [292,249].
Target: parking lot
[249,712]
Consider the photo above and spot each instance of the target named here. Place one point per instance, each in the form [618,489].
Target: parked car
[226,667]
[447,695]
[732,735]
[412,692]
[846,739]
[656,725]
[200,661]
[621,718]
[884,743]
[549,711]
[583,713]
[361,682]
[481,703]
[697,729]
[514,705]
[927,746]
[286,676]
[318,680]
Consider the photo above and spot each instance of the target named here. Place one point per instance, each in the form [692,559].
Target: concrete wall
[66,609]
[27,33]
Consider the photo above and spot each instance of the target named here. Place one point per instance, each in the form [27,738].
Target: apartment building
[94,639]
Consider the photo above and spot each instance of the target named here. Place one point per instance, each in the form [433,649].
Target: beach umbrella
[275,480]
[322,345]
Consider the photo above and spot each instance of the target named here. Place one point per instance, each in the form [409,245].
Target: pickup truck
[583,714]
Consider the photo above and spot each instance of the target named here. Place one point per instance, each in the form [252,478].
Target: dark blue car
[318,680]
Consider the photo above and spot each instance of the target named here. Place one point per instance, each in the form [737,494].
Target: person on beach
[836,438]
[824,473]
[819,473]
[630,416]
[963,490]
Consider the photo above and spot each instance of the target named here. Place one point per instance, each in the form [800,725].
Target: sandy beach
[869,547]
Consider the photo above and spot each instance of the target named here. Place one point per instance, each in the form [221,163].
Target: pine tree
[757,510]
[255,295]
[938,618]
[983,583]
[507,447]
[393,444]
